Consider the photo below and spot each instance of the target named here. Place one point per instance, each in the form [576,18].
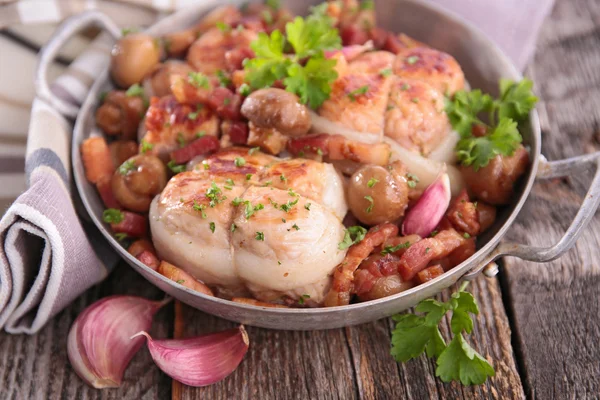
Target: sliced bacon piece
[237,131]
[104,188]
[134,225]
[178,275]
[343,277]
[461,253]
[225,103]
[204,145]
[429,273]
[252,302]
[337,147]
[462,214]
[420,254]
[97,160]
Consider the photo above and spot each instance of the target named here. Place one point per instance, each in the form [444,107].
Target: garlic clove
[430,208]
[99,345]
[202,360]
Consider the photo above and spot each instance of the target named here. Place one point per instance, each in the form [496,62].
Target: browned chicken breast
[415,116]
[437,68]
[357,102]
[373,62]
[217,50]
[170,125]
[224,222]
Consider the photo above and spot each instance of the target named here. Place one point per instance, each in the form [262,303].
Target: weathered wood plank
[37,367]
[555,306]
[355,362]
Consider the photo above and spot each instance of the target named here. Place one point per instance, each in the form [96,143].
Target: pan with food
[309,166]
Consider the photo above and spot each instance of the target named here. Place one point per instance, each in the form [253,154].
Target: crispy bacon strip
[420,254]
[253,302]
[486,215]
[183,278]
[203,145]
[343,277]
[97,159]
[462,214]
[429,273]
[139,246]
[134,225]
[236,130]
[337,147]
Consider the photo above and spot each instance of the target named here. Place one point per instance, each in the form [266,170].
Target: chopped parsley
[180,139]
[248,177]
[214,194]
[239,162]
[112,216]
[146,147]
[282,178]
[199,207]
[224,80]
[466,235]
[180,281]
[371,203]
[233,227]
[260,236]
[352,235]
[385,72]
[200,134]
[393,249]
[296,227]
[198,80]
[307,206]
[358,92]
[135,90]
[412,59]
[411,180]
[244,89]
[127,167]
[212,226]
[176,168]
[223,27]
[303,298]
[372,182]
[253,150]
[121,236]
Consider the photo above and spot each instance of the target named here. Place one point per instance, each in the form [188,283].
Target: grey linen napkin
[47,258]
[48,255]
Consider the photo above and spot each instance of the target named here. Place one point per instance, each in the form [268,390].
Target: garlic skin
[201,360]
[99,345]
[430,208]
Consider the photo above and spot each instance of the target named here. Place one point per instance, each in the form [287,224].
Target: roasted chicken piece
[358,102]
[435,67]
[293,258]
[221,50]
[223,224]
[171,125]
[312,179]
[415,116]
[373,62]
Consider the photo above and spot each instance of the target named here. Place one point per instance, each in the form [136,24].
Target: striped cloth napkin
[49,252]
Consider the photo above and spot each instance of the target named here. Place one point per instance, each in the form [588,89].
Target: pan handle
[48,53]
[591,201]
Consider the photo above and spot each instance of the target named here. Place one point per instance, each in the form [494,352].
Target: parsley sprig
[306,72]
[465,110]
[457,360]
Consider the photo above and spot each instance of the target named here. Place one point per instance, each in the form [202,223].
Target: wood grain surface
[553,309]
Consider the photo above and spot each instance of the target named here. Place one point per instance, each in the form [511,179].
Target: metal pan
[483,63]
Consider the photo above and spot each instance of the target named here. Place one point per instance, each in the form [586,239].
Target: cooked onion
[444,152]
[425,169]
[323,125]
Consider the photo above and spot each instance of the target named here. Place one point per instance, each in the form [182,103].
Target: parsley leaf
[312,82]
[352,235]
[312,35]
[516,99]
[478,151]
[415,334]
[462,110]
[269,64]
[112,216]
[176,168]
[459,361]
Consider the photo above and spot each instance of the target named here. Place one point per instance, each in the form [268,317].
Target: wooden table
[539,324]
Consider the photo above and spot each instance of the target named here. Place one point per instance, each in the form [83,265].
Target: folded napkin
[49,252]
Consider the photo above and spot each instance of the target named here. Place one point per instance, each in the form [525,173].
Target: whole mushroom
[132,57]
[138,180]
[274,108]
[378,194]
